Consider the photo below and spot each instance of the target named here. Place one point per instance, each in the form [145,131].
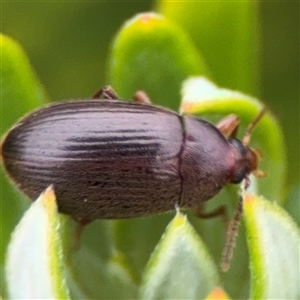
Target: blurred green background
[68,43]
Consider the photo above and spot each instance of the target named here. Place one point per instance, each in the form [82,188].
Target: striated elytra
[117,159]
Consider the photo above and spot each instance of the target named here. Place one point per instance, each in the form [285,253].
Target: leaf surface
[151,53]
[180,267]
[274,247]
[34,266]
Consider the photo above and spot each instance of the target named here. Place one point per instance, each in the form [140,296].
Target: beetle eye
[240,175]
[239,146]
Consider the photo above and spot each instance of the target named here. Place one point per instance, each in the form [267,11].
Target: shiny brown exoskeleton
[117,159]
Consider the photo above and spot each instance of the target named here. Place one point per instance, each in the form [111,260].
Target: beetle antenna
[247,136]
[232,233]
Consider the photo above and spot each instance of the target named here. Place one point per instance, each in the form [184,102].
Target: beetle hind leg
[80,225]
[108,92]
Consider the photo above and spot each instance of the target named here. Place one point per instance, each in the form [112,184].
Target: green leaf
[130,238]
[91,277]
[273,242]
[34,267]
[227,33]
[95,271]
[201,96]
[152,54]
[292,204]
[180,267]
[20,92]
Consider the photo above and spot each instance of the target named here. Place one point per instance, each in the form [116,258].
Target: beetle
[114,159]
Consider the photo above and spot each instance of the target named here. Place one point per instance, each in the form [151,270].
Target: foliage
[146,257]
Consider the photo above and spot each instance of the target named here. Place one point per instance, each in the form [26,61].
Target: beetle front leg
[229,125]
[142,97]
[107,92]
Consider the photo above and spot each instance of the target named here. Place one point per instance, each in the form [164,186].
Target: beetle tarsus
[107,92]
[142,97]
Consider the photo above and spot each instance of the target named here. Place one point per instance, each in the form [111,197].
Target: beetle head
[246,161]
[246,158]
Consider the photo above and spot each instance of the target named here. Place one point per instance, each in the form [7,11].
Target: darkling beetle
[115,159]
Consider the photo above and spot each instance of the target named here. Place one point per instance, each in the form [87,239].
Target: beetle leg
[229,125]
[142,97]
[78,232]
[219,211]
[232,233]
[107,92]
[260,173]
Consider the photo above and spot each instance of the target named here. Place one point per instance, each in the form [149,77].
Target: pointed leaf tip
[34,267]
[49,198]
[20,92]
[180,266]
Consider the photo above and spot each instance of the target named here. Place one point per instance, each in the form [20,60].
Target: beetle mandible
[110,158]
